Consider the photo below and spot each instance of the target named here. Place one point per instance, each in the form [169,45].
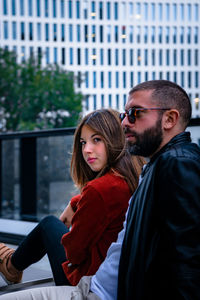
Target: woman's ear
[170,118]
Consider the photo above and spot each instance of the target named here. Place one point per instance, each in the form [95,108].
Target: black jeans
[45,238]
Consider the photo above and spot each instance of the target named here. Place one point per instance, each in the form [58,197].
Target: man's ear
[170,118]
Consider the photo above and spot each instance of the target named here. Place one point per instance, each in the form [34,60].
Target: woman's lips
[91,160]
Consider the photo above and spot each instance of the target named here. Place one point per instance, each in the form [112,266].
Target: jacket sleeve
[88,224]
[74,201]
[179,202]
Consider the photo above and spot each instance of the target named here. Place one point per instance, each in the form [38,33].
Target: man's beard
[147,142]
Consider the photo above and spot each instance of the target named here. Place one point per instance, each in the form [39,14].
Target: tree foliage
[32,97]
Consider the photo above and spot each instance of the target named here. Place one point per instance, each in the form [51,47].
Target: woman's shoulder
[108,180]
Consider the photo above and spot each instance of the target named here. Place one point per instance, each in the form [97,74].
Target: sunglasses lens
[131,115]
[122,116]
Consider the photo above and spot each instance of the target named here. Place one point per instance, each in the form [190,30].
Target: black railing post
[28,184]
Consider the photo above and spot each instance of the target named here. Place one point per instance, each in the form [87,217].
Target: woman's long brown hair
[105,122]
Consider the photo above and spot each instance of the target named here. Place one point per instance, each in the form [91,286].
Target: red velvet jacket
[95,225]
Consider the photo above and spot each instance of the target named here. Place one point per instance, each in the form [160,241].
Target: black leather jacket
[160,256]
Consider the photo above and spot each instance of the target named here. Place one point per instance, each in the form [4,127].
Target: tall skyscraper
[109,45]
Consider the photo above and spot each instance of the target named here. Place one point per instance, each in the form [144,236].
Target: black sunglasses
[134,112]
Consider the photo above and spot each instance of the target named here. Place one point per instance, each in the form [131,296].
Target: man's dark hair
[168,94]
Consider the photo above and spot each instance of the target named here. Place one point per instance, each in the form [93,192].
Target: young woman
[107,177]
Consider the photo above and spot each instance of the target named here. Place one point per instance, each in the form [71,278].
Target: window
[78,9]
[182,57]
[38,8]
[139,76]
[46,32]
[189,12]
[145,34]
[87,102]
[167,35]
[87,79]
[117,79]
[14,30]
[153,57]
[189,79]
[196,84]
[131,34]
[160,57]
[131,79]
[138,57]
[146,11]
[146,76]
[116,34]
[196,57]
[182,11]
[5,8]
[93,33]
[102,101]
[101,56]
[116,10]
[108,33]
[86,56]
[182,35]
[160,11]
[70,32]
[138,33]
[131,10]
[5,29]
[108,10]
[93,9]
[153,11]
[109,57]
[46,8]
[117,101]
[124,100]
[85,33]
[63,56]
[160,34]
[153,34]
[62,32]
[123,34]
[71,56]
[102,79]
[62,8]
[55,32]
[23,53]
[101,10]
[13,7]
[94,79]
[174,35]
[70,11]
[138,10]
[31,31]
[174,8]
[116,57]
[55,56]
[196,12]
[145,57]
[189,57]
[189,34]
[123,10]
[123,57]
[175,77]
[94,102]
[22,31]
[85,9]
[54,9]
[131,57]
[94,57]
[196,33]
[110,100]
[109,79]
[174,57]
[167,11]
[78,56]
[167,57]
[78,32]
[21,7]
[47,55]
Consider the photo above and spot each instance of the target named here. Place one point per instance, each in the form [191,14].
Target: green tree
[32,97]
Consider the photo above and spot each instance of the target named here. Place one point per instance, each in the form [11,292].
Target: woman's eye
[82,143]
[96,140]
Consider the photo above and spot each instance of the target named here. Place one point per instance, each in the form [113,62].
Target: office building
[109,45]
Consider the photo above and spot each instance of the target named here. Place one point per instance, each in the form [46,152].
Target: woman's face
[93,149]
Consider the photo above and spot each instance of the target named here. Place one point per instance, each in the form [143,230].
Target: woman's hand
[67,215]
